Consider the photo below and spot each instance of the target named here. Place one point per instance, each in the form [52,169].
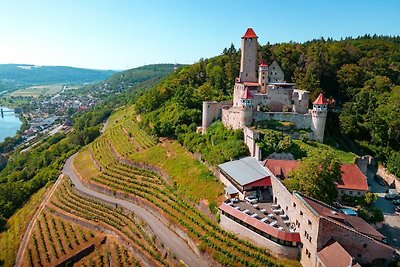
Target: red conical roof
[250,34]
[247,94]
[321,100]
[263,64]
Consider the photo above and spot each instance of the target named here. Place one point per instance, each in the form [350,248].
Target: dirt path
[177,245]
[32,223]
[103,129]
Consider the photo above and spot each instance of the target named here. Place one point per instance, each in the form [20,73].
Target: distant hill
[25,75]
[122,81]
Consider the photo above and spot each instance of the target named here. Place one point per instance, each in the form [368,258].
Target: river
[9,124]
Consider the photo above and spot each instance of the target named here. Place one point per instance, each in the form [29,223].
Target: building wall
[226,182]
[276,249]
[307,223]
[353,193]
[212,111]
[363,248]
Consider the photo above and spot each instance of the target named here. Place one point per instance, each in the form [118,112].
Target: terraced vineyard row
[117,174]
[117,220]
[110,254]
[137,138]
[54,239]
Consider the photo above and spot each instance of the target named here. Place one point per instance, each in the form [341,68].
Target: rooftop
[352,178]
[263,218]
[334,255]
[281,167]
[321,100]
[324,210]
[245,170]
[250,34]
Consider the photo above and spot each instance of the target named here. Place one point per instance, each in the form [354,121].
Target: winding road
[177,245]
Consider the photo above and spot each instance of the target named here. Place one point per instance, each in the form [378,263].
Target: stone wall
[301,101]
[363,248]
[231,118]
[276,249]
[388,177]
[212,111]
[238,91]
[276,98]
[363,163]
[250,138]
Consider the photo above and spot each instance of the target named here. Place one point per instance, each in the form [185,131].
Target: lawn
[84,163]
[10,239]
[312,146]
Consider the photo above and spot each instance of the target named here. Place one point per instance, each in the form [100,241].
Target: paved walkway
[177,245]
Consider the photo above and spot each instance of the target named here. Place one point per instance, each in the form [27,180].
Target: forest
[362,74]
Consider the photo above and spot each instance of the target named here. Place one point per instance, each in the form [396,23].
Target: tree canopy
[316,177]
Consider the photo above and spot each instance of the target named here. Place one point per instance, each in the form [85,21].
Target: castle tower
[248,59]
[263,77]
[246,112]
[319,113]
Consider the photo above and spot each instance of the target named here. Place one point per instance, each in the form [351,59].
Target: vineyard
[131,230]
[56,241]
[114,153]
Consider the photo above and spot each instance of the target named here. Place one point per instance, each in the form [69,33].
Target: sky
[123,34]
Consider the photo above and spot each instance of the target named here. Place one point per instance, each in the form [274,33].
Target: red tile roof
[354,222]
[251,83]
[247,94]
[283,235]
[249,34]
[321,100]
[281,167]
[352,178]
[263,64]
[334,255]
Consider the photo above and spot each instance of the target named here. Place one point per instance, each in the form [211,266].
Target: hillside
[121,81]
[362,74]
[26,75]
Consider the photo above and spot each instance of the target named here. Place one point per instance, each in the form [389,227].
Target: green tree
[370,198]
[275,141]
[316,177]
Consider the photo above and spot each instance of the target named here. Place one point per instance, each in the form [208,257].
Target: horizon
[102,35]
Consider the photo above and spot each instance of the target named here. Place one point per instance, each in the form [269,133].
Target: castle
[266,96]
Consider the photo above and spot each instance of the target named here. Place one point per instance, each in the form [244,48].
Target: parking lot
[391,226]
